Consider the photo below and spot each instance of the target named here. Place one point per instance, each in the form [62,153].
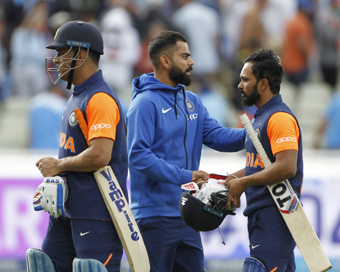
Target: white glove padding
[212,186]
[191,187]
[50,196]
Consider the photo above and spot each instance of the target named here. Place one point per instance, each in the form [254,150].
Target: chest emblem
[72,120]
[258,133]
[190,105]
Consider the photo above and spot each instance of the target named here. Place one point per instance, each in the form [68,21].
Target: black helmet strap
[73,64]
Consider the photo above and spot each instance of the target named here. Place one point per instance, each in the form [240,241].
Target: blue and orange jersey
[101,109]
[278,130]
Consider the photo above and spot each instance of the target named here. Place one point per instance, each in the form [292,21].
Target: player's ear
[263,84]
[165,61]
[82,55]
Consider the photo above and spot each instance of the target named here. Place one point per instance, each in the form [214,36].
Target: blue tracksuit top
[85,200]
[259,197]
[166,129]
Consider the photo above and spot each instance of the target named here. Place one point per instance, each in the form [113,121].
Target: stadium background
[22,228]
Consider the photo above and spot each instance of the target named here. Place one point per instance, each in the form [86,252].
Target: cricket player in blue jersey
[167,126]
[81,233]
[271,243]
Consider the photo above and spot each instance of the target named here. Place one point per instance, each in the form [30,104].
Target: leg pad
[38,261]
[253,265]
[88,265]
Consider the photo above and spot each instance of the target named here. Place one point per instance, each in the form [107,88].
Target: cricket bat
[123,220]
[292,212]
[120,212]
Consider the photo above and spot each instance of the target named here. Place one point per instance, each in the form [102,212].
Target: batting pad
[38,261]
[87,265]
[253,265]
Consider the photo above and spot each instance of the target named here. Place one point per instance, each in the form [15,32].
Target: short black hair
[267,64]
[164,43]
[94,56]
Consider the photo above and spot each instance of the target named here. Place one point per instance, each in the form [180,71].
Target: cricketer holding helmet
[86,231]
[271,243]
[167,126]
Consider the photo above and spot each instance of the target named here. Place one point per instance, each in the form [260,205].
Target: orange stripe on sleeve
[102,115]
[82,124]
[283,132]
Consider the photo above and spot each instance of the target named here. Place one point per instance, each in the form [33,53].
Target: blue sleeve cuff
[186,176]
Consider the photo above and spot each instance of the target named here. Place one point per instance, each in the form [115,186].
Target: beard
[250,100]
[177,75]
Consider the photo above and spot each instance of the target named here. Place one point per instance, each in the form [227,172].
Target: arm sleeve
[141,120]
[102,115]
[283,132]
[221,138]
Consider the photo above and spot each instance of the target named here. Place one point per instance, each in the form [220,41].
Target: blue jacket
[166,129]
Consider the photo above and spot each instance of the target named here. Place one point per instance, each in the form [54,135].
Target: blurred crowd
[221,33]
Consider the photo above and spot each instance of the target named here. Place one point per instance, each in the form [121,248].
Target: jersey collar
[275,99]
[80,88]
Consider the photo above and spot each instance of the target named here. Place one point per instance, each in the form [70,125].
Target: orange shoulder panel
[102,115]
[283,132]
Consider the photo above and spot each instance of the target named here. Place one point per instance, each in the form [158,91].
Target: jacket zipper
[185,132]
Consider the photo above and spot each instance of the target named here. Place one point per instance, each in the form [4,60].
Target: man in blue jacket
[166,129]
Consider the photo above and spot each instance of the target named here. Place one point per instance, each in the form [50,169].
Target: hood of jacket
[149,82]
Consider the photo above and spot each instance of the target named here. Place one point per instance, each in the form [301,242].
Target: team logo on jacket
[190,105]
[72,120]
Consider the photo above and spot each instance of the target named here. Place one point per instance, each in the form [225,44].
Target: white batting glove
[50,196]
[191,187]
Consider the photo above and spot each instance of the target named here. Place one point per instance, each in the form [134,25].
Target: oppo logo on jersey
[253,161]
[100,126]
[286,139]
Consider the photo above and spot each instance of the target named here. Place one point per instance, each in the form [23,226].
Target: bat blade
[123,220]
[292,212]
[307,241]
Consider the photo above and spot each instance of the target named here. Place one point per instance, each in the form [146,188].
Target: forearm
[158,169]
[91,159]
[86,161]
[238,174]
[269,176]
[225,139]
